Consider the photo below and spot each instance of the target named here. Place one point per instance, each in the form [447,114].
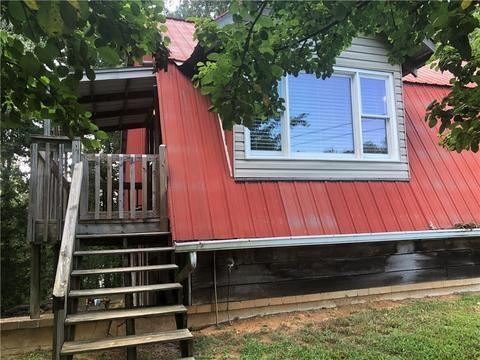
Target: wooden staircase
[130,309]
[118,266]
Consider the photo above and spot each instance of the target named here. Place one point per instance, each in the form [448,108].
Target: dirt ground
[296,320]
[289,322]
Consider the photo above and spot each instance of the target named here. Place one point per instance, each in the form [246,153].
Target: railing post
[58,326]
[76,151]
[35,248]
[163,179]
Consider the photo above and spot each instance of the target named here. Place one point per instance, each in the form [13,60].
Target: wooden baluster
[120,187]
[97,186]
[144,186]
[163,187]
[32,209]
[109,186]
[155,186]
[85,184]
[132,186]
[46,193]
[61,150]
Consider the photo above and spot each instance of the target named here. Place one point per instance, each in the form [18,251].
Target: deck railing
[115,187]
[123,186]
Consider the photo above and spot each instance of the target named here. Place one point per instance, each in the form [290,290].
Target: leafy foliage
[47,46]
[15,250]
[268,39]
[459,112]
[199,8]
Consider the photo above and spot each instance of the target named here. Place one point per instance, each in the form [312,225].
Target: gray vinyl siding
[364,54]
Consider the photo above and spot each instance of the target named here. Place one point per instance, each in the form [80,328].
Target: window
[348,116]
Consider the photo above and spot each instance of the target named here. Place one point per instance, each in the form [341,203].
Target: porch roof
[119,98]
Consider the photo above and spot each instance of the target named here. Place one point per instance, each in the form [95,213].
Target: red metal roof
[206,203]
[426,75]
[182,43]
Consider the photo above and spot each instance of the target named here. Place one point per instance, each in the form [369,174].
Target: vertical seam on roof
[337,226]
[391,206]
[374,198]
[461,172]
[202,150]
[266,208]
[185,167]
[402,200]
[302,210]
[413,136]
[309,184]
[363,207]
[278,191]
[422,144]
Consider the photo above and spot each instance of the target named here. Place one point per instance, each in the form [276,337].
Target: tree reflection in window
[267,135]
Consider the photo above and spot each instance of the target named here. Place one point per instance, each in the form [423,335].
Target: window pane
[374,97]
[374,132]
[266,135]
[320,114]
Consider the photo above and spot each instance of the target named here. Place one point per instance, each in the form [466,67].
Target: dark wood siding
[273,272]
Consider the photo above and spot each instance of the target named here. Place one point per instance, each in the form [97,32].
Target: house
[347,196]
[325,215]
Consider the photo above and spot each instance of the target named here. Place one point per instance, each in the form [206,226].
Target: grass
[423,329]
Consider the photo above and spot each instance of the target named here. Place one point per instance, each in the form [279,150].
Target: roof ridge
[180,19]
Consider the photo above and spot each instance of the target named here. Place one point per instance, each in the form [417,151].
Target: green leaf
[135,9]
[265,21]
[50,19]
[32,4]
[16,11]
[465,4]
[277,71]
[45,80]
[102,135]
[29,64]
[62,71]
[214,56]
[90,74]
[109,54]
[75,4]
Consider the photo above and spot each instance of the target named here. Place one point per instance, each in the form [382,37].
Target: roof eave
[287,241]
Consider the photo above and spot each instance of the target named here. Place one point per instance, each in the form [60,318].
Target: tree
[47,46]
[15,249]
[199,9]
[268,39]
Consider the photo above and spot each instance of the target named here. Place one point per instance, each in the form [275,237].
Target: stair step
[124,314]
[122,251]
[75,347]
[123,269]
[122,235]
[124,290]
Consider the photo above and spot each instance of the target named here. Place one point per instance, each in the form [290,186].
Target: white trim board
[252,243]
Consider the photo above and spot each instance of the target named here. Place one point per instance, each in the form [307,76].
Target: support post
[35,266]
[129,323]
[58,326]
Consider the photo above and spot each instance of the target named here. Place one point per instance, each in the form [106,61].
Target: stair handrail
[65,256]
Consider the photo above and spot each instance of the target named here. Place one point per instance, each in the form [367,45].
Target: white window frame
[393,154]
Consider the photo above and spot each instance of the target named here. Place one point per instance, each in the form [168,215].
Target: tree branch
[250,32]
[325,28]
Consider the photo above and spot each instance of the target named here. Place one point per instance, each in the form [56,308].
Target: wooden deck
[96,207]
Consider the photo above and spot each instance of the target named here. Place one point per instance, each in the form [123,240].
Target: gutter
[254,243]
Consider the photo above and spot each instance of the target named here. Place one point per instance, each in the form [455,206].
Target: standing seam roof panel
[206,203]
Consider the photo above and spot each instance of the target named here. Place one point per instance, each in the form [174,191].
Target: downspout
[186,271]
